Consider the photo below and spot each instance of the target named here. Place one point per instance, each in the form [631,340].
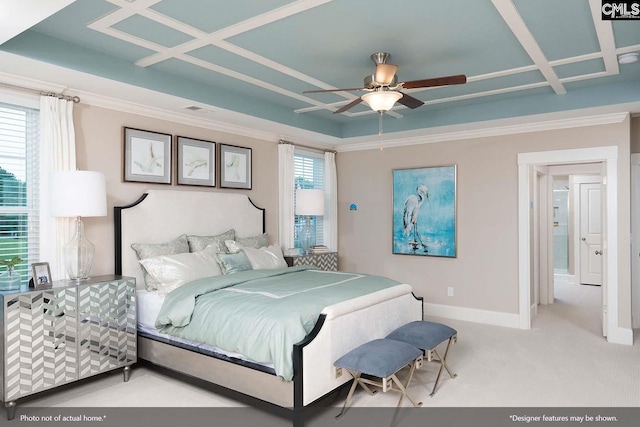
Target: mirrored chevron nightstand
[325,261]
[63,332]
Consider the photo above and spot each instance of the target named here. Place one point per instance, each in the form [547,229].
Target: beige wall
[99,148]
[485,273]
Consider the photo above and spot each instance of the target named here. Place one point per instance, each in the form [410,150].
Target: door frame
[635,240]
[526,162]
[543,291]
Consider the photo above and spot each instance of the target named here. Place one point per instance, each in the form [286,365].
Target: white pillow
[266,258]
[173,271]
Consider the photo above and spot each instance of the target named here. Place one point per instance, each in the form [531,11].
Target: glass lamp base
[78,254]
[307,237]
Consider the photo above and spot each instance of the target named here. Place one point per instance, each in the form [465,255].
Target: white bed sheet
[149,304]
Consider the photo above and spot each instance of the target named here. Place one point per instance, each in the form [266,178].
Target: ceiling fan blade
[333,90]
[385,73]
[409,101]
[349,105]
[438,81]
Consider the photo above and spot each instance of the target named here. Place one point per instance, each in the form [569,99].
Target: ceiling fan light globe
[381,101]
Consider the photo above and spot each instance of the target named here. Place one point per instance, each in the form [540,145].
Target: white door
[591,234]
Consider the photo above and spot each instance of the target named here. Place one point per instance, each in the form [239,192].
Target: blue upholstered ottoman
[382,359]
[427,336]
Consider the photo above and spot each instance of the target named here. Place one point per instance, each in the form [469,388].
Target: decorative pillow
[172,271]
[144,250]
[198,243]
[233,263]
[235,246]
[266,258]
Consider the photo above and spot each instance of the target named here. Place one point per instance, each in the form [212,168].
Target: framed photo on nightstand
[41,274]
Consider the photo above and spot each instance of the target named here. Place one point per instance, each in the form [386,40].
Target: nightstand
[325,261]
[63,332]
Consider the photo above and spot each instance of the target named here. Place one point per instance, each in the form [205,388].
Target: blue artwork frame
[424,211]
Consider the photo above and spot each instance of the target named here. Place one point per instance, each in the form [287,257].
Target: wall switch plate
[450,291]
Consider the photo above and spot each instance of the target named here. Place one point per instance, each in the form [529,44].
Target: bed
[159,216]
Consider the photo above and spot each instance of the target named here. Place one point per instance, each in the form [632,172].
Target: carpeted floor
[562,362]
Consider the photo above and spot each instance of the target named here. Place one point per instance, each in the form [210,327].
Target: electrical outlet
[338,372]
[450,291]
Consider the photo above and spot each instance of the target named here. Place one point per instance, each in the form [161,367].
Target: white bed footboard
[347,325]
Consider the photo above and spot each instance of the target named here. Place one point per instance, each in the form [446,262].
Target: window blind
[19,185]
[308,172]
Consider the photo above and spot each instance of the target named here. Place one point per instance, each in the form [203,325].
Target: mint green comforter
[260,313]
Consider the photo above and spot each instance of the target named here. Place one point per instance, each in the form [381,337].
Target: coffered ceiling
[256,58]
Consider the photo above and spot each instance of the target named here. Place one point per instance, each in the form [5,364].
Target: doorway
[568,212]
[575,218]
[527,162]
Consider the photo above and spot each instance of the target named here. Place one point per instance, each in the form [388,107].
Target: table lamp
[309,202]
[77,194]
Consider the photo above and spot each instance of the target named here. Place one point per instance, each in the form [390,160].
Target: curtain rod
[308,147]
[75,99]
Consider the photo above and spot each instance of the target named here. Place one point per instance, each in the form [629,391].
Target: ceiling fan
[384,90]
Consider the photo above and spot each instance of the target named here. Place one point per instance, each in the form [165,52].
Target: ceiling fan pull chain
[380,125]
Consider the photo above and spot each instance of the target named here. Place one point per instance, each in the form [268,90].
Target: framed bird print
[196,162]
[424,211]
[147,156]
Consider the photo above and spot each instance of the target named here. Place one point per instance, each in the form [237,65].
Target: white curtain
[285,195]
[57,152]
[331,202]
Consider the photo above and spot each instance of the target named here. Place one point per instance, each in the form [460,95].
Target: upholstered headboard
[159,216]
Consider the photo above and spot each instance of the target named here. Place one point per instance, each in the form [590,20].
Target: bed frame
[162,215]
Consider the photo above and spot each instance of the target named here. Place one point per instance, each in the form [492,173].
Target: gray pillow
[256,242]
[147,250]
[233,263]
[199,243]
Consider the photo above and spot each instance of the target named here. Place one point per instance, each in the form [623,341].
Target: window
[19,186]
[308,174]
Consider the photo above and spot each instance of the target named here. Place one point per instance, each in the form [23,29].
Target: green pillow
[233,263]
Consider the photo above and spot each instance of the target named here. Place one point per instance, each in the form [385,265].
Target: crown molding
[536,123]
[222,120]
[172,116]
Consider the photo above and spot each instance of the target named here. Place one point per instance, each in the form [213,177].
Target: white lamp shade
[381,101]
[78,193]
[309,202]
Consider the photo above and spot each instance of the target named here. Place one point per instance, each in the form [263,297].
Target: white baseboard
[496,318]
[620,336]
[508,320]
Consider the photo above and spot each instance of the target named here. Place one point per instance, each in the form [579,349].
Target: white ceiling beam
[232,30]
[628,49]
[604,30]
[217,38]
[333,106]
[245,78]
[574,59]
[512,17]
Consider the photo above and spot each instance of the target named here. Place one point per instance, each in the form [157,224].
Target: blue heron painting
[424,211]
